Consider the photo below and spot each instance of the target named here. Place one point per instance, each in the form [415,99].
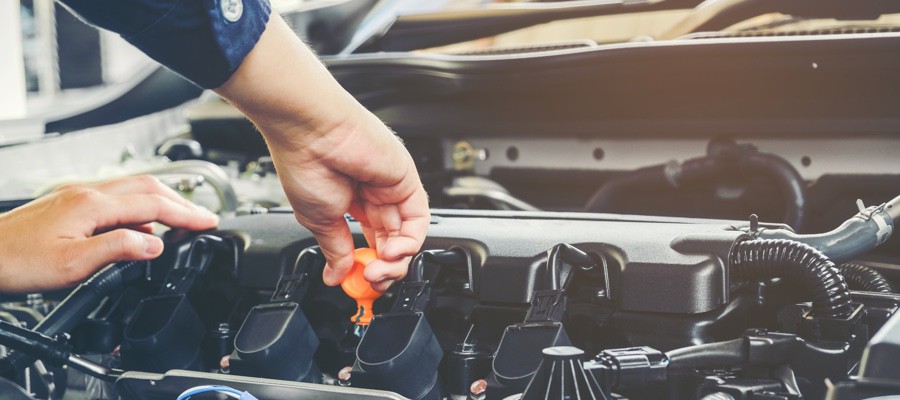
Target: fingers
[384,227]
[379,235]
[410,232]
[382,273]
[399,233]
[369,234]
[143,184]
[136,209]
[87,255]
[77,229]
[357,211]
[336,243]
[143,228]
[135,202]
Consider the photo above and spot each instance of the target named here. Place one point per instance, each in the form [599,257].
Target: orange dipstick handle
[357,287]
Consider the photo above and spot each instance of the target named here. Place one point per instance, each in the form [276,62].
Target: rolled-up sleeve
[203,40]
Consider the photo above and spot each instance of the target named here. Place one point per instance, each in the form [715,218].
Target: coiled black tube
[754,259]
[77,306]
[861,277]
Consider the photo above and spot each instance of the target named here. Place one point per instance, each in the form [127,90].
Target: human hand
[63,237]
[361,168]
[332,157]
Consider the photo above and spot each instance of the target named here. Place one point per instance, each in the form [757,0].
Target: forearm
[287,92]
[333,157]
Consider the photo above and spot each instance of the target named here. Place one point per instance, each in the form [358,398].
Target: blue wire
[206,389]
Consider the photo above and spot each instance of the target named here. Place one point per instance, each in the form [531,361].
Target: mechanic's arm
[62,238]
[332,156]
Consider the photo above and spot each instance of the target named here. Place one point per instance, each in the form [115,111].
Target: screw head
[345,373]
[478,387]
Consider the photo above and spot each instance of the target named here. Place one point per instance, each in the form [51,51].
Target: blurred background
[522,105]
[60,75]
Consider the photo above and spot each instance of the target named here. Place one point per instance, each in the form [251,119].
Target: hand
[332,157]
[63,237]
[361,168]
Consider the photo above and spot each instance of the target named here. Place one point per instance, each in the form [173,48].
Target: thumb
[336,243]
[113,246]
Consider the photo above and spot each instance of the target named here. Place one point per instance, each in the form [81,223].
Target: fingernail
[152,246]
[207,211]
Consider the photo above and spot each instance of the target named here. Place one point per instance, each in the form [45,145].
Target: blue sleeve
[203,40]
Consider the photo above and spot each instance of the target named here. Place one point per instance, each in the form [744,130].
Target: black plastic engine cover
[662,265]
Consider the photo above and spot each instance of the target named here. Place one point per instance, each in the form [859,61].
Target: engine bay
[637,307]
[704,217]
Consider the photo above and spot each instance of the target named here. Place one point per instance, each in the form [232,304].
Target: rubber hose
[789,181]
[848,241]
[861,277]
[654,177]
[648,177]
[77,306]
[767,258]
[730,353]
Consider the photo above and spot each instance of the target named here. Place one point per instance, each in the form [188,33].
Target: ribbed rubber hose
[799,262]
[861,277]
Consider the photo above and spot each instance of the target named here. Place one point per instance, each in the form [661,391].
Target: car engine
[710,216]
[497,305]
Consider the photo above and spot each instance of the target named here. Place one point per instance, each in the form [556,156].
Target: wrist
[319,138]
[287,92]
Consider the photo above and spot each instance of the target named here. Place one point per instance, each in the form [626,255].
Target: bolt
[463,156]
[343,376]
[477,389]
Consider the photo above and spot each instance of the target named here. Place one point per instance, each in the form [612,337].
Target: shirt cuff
[204,40]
